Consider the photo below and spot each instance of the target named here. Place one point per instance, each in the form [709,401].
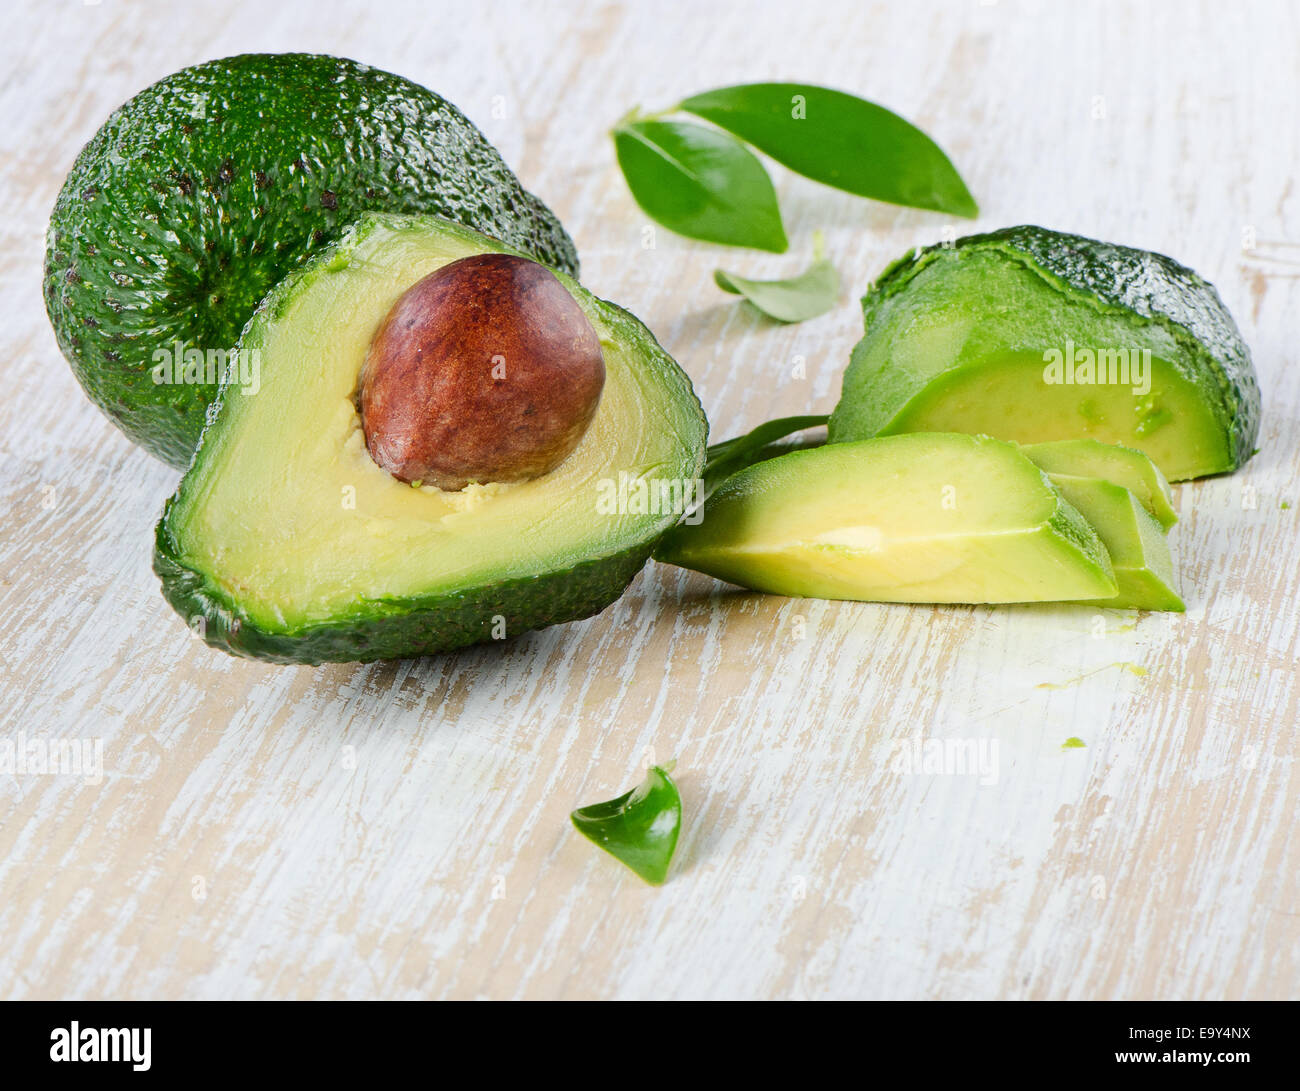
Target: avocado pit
[485,370]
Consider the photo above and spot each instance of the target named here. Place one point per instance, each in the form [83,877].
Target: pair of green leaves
[706,184]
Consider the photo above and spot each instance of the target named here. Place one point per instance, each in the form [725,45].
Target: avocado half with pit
[203,191]
[287,541]
[1032,335]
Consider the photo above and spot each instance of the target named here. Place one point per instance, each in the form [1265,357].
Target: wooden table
[400,830]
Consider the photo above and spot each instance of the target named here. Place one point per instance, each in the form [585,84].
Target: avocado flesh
[259,539]
[911,518]
[204,190]
[957,339]
[1005,398]
[1138,548]
[1110,462]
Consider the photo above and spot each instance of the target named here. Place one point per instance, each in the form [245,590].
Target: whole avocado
[198,195]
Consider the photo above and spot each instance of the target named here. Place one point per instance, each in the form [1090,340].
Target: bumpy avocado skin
[1150,286]
[413,627]
[429,624]
[203,191]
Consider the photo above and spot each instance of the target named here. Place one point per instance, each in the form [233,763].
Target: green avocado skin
[1150,287]
[430,624]
[207,188]
[414,627]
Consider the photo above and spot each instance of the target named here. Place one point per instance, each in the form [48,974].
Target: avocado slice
[921,517]
[1032,335]
[285,541]
[204,190]
[1110,462]
[1138,548]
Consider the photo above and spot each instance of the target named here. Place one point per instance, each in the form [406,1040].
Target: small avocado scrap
[1126,498]
[1032,335]
[640,828]
[1138,548]
[920,517]
[199,194]
[1114,463]
[290,544]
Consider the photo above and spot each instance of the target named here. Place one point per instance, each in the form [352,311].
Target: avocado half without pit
[485,370]
[1033,335]
[287,540]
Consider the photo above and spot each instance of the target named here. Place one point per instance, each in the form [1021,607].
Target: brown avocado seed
[485,370]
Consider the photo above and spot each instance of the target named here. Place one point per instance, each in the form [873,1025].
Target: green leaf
[841,140]
[638,828]
[733,455]
[700,182]
[811,293]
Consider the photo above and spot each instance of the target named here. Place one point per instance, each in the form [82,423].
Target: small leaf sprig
[704,182]
[813,292]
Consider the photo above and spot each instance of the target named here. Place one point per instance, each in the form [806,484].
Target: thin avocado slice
[1031,335]
[1110,462]
[285,541]
[199,194]
[921,517]
[1138,548]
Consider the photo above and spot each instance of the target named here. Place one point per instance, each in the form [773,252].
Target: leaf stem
[636,114]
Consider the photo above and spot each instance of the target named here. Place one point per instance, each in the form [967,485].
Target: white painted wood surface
[401,830]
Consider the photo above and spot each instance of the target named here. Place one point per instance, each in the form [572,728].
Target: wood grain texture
[400,830]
